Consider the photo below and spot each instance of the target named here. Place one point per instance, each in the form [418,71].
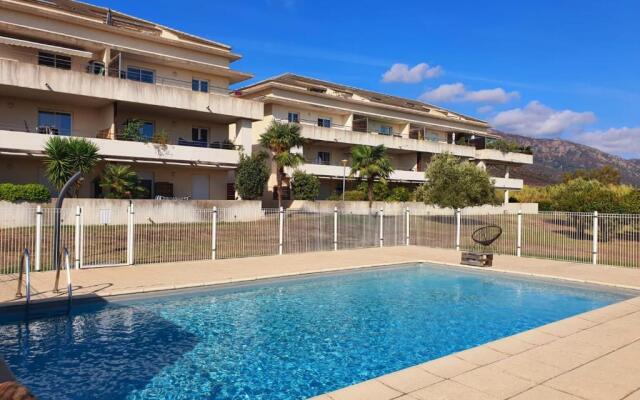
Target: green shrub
[400,193]
[305,186]
[31,192]
[581,195]
[507,146]
[252,175]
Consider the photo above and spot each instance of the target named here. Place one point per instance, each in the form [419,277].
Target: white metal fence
[100,237]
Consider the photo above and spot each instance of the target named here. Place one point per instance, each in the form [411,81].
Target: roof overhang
[46,47]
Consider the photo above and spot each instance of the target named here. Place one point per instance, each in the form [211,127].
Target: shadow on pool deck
[103,346]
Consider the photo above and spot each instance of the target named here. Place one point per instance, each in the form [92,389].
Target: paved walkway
[590,356]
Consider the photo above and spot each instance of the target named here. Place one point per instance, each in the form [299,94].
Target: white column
[381,227]
[281,230]
[407,228]
[595,238]
[130,234]
[458,220]
[214,232]
[519,235]
[38,252]
[77,238]
[506,191]
[244,136]
[335,228]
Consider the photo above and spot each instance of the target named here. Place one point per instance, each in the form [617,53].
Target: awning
[41,46]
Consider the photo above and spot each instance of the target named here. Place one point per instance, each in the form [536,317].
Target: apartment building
[73,69]
[335,117]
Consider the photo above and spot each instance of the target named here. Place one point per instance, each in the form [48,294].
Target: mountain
[553,157]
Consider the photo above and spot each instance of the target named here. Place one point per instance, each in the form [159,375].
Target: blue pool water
[278,340]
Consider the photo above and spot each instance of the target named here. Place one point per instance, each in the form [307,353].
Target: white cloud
[538,120]
[485,109]
[457,92]
[621,141]
[444,93]
[402,73]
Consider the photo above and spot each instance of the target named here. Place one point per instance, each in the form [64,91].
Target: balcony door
[200,187]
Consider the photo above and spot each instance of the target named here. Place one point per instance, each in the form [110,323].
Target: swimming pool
[282,339]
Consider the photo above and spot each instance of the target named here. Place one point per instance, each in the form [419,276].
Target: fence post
[130,234]
[335,228]
[519,235]
[458,220]
[38,252]
[595,238]
[77,238]
[381,227]
[214,232]
[281,230]
[407,228]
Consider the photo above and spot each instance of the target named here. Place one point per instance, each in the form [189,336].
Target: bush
[305,186]
[400,193]
[581,195]
[252,176]
[507,146]
[31,192]
[349,195]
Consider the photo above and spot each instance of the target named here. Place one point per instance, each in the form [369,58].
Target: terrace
[589,356]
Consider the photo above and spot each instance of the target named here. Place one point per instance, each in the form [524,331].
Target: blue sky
[568,69]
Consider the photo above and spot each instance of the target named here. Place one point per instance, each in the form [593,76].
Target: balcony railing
[53,130]
[155,79]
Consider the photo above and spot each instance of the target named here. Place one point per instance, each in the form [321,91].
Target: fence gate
[103,236]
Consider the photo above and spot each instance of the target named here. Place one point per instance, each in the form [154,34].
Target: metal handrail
[25,267]
[67,266]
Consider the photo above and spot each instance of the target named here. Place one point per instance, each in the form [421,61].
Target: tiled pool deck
[590,356]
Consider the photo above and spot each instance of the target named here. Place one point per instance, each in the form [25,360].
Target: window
[324,158]
[140,75]
[58,123]
[294,117]
[147,130]
[200,134]
[324,122]
[199,85]
[385,130]
[54,60]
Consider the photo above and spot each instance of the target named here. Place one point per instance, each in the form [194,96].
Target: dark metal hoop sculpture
[486,234]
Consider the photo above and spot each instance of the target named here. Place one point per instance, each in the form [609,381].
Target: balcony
[344,134]
[337,171]
[507,183]
[13,142]
[504,157]
[53,82]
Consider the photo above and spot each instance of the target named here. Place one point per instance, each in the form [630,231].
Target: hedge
[31,192]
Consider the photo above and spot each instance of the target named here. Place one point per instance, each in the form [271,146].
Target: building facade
[78,70]
[333,118]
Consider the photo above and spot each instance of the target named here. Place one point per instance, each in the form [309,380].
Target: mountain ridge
[554,157]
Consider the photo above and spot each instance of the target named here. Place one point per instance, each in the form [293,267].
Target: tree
[582,195]
[120,182]
[252,175]
[606,175]
[305,186]
[370,164]
[456,183]
[279,139]
[400,193]
[66,156]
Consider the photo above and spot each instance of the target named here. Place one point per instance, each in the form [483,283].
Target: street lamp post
[344,176]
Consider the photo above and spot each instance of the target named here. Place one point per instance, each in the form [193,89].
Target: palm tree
[279,138]
[120,182]
[66,156]
[370,163]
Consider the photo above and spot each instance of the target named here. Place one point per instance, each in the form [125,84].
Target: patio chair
[483,236]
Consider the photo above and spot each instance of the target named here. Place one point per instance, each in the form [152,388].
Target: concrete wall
[362,207]
[146,211]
